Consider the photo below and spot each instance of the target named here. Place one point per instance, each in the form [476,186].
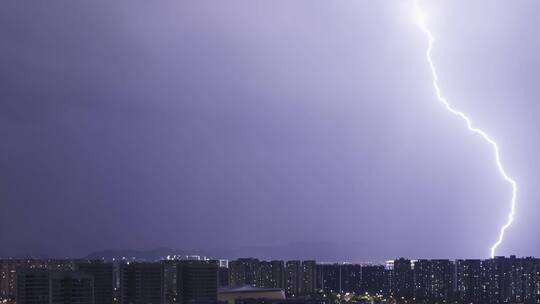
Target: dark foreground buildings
[56,281]
[197,281]
[102,275]
[502,280]
[493,281]
[141,283]
[40,286]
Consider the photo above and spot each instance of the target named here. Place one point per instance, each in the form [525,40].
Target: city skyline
[197,279]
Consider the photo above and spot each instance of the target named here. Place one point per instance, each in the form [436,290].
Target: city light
[420,17]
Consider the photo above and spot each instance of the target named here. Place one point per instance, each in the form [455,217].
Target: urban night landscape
[269,152]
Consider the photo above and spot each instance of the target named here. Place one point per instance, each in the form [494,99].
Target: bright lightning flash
[421,22]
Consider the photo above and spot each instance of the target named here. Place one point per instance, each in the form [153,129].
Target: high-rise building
[271,274]
[504,280]
[8,275]
[496,280]
[375,280]
[433,281]
[170,287]
[265,275]
[141,283]
[243,272]
[197,281]
[422,280]
[32,286]
[42,286]
[441,281]
[292,278]
[9,268]
[278,274]
[402,280]
[8,281]
[469,281]
[494,277]
[328,277]
[117,265]
[308,277]
[103,279]
[68,287]
[514,285]
[350,278]
[223,276]
[531,278]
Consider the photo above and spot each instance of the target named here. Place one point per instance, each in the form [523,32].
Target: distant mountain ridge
[150,255]
[322,251]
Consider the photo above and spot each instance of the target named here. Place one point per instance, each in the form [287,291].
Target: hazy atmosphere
[245,124]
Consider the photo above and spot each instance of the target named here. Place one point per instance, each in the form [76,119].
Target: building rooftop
[247,288]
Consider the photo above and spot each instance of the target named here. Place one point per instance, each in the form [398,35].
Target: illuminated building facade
[292,278]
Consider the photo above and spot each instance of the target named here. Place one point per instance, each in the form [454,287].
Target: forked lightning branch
[421,22]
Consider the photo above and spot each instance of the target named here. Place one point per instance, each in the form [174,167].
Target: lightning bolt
[421,22]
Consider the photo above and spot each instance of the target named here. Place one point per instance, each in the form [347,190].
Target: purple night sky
[192,124]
